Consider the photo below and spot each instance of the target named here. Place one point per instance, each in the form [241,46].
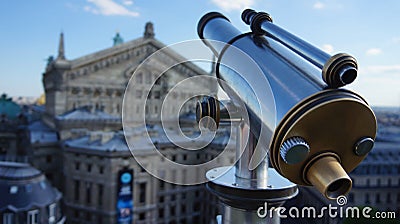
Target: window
[52,213]
[172,211]
[89,168]
[184,157]
[148,79]
[77,165]
[378,198]
[33,217]
[8,218]
[142,216]
[88,192]
[196,206]
[183,208]
[48,158]
[157,94]
[76,188]
[101,169]
[142,194]
[162,185]
[100,194]
[161,213]
[139,78]
[161,199]
[13,189]
[388,198]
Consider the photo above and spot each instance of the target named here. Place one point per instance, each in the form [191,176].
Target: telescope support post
[247,195]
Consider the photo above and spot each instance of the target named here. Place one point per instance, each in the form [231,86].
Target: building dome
[27,195]
[9,108]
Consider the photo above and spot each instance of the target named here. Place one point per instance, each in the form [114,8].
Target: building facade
[79,143]
[376,181]
[92,168]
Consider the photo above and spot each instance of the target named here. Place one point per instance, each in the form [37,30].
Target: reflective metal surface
[257,68]
[242,216]
[278,188]
[246,145]
[337,71]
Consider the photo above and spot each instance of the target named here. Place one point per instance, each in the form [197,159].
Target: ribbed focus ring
[294,150]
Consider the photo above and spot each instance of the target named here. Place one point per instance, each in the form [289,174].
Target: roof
[41,133]
[86,114]
[17,171]
[115,141]
[8,107]
[23,188]
[119,49]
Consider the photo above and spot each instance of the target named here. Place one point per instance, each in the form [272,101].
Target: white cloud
[379,84]
[327,48]
[319,5]
[232,5]
[109,8]
[381,69]
[127,2]
[373,51]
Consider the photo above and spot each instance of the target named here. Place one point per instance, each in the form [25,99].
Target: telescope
[309,129]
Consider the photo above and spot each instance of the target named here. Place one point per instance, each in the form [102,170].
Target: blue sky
[369,30]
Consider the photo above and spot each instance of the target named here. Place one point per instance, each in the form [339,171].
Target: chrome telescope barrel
[315,131]
[289,79]
[337,70]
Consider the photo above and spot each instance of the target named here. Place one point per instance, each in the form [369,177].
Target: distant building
[11,120]
[92,167]
[376,181]
[27,197]
[80,147]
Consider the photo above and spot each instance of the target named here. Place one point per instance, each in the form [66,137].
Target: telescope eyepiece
[205,19]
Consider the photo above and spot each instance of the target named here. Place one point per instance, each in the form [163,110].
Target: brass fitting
[328,176]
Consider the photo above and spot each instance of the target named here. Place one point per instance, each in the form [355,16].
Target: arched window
[139,78]
[148,79]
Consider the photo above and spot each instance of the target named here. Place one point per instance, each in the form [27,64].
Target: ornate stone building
[92,164]
[80,146]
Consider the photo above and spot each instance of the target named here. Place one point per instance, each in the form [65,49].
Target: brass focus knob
[294,150]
